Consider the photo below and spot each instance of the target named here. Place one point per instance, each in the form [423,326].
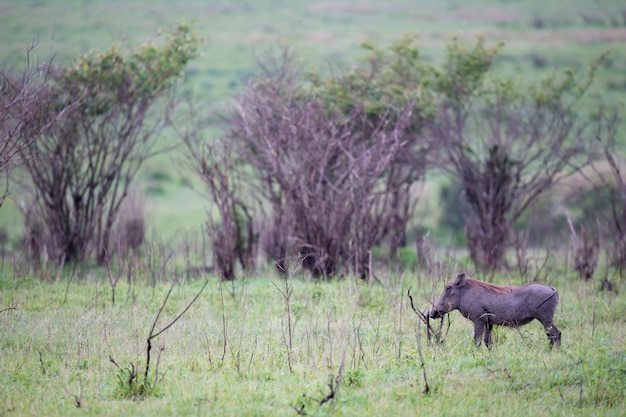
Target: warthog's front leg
[482,330]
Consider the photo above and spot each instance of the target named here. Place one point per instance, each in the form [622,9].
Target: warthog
[487,304]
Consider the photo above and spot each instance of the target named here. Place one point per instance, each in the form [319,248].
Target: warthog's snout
[434,314]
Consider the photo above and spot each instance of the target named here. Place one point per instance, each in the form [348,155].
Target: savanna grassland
[73,339]
[268,346]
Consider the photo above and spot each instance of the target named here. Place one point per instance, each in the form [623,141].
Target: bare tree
[333,177]
[506,143]
[80,171]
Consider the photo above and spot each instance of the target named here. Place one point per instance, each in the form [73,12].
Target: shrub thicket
[335,159]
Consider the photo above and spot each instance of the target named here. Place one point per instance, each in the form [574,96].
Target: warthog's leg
[554,334]
[489,328]
[480,331]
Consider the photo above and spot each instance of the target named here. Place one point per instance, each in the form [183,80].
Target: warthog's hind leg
[488,329]
[554,334]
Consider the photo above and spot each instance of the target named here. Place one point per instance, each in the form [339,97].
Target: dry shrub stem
[113,280]
[130,384]
[431,334]
[586,249]
[233,234]
[154,334]
[422,362]
[286,293]
[8,309]
[224,323]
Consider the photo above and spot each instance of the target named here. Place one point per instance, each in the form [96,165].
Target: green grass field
[231,353]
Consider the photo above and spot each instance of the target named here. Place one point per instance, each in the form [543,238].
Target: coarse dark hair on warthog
[487,305]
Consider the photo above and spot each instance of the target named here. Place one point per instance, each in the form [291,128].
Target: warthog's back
[507,305]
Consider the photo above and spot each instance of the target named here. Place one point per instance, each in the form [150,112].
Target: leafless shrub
[156,262]
[286,289]
[336,181]
[134,233]
[195,250]
[530,262]
[275,242]
[425,252]
[618,209]
[521,252]
[131,383]
[114,278]
[4,241]
[36,241]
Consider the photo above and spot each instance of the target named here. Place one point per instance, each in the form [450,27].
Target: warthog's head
[450,298]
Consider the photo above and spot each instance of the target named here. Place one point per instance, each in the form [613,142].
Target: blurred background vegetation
[540,38]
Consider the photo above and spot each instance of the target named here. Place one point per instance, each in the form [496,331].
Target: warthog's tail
[547,298]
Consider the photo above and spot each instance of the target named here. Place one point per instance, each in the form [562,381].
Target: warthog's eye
[448,287]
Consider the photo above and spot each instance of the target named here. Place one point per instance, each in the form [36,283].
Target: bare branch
[152,335]
[171,323]
[8,308]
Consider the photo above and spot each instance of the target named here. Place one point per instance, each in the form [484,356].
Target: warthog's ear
[460,279]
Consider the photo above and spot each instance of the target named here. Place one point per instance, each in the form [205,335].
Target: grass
[229,355]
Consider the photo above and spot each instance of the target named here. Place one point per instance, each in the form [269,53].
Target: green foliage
[564,91]
[385,82]
[123,73]
[354,377]
[390,78]
[464,70]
